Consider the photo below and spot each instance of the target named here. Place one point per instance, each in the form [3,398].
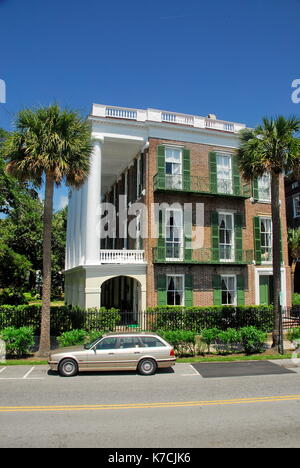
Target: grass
[23,362]
[210,358]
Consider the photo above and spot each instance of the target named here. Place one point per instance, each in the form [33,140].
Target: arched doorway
[123,293]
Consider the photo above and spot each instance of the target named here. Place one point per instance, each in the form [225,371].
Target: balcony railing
[200,185]
[121,256]
[219,125]
[204,256]
[156,115]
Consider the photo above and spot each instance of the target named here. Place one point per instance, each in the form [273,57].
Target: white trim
[267,262]
[259,179]
[269,272]
[183,286]
[235,288]
[181,244]
[232,259]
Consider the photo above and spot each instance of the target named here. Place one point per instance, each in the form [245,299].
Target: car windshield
[93,343]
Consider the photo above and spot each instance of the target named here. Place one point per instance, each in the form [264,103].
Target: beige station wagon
[144,352]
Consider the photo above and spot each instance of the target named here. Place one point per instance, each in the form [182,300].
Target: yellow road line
[185,404]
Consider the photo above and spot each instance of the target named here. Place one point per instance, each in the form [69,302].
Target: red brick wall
[199,157]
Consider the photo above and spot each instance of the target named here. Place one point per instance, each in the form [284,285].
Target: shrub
[252,340]
[209,336]
[78,337]
[182,340]
[72,338]
[18,341]
[230,339]
[293,334]
[12,297]
[296,299]
[93,336]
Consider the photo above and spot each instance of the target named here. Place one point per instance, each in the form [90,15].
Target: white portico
[118,136]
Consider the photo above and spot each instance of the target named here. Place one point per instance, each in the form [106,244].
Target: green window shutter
[161,167]
[240,290]
[188,234]
[215,236]
[161,241]
[255,189]
[238,236]
[188,290]
[264,294]
[161,290]
[236,175]
[213,173]
[217,289]
[186,169]
[257,241]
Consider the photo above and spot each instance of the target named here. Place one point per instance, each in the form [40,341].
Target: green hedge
[64,318]
[200,318]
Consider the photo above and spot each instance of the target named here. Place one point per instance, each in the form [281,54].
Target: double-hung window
[264,188]
[226,233]
[173,162]
[266,239]
[224,173]
[175,290]
[228,290]
[296,206]
[174,234]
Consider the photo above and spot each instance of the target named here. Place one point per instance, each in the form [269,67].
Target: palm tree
[294,251]
[53,146]
[272,148]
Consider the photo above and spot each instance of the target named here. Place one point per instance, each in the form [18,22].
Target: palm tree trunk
[276,256]
[44,347]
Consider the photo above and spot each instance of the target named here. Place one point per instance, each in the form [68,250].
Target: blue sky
[236,59]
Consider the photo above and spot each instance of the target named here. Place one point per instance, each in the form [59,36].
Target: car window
[129,342]
[107,343]
[151,342]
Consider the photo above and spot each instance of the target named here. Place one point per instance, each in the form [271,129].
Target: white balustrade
[122,256]
[177,118]
[220,125]
[155,115]
[121,113]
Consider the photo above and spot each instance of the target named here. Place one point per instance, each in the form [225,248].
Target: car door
[103,355]
[129,352]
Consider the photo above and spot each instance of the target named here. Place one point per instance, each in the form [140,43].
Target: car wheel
[147,367]
[68,368]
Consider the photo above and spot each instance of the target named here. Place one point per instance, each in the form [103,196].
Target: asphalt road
[174,409]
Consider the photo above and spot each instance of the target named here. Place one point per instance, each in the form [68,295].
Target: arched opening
[123,293]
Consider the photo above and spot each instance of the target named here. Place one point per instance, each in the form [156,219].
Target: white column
[73,230]
[93,199]
[126,195]
[68,246]
[83,222]
[77,194]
